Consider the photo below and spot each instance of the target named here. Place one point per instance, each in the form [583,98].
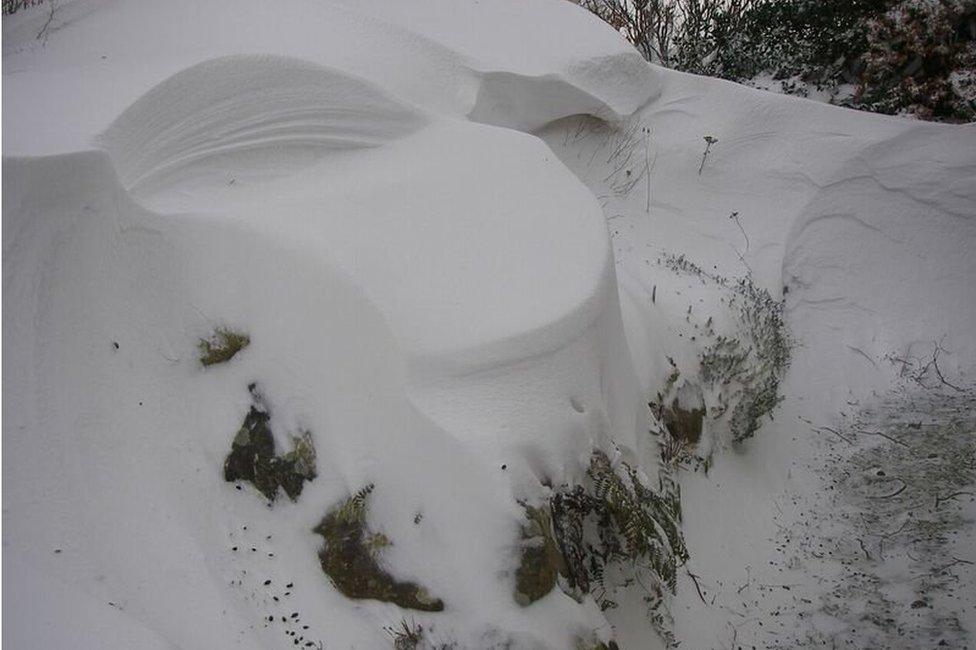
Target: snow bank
[432,299]
[847,202]
[865,225]
[429,292]
[110,419]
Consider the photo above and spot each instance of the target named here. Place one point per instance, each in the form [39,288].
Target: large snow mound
[110,418]
[396,266]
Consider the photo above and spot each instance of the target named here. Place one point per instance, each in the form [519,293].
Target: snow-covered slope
[865,226]
[866,221]
[396,266]
[419,213]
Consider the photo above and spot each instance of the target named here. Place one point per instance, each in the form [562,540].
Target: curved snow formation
[452,58]
[266,110]
[432,298]
[533,68]
[111,421]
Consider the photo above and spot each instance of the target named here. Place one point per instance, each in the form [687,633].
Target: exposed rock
[349,559]
[252,456]
[685,415]
[221,346]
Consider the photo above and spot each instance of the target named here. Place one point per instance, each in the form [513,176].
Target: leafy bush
[889,56]
[743,368]
[614,520]
[817,41]
[921,59]
[13,6]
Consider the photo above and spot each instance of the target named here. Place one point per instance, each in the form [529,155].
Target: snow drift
[260,110]
[430,293]
[395,267]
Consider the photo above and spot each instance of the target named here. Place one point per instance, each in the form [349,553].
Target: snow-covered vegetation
[454,324]
[911,57]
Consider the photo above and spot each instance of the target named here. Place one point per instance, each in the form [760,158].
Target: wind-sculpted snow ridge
[461,59]
[248,114]
[533,68]
[883,256]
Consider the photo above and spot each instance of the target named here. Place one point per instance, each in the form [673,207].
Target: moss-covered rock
[540,561]
[252,456]
[222,346]
[349,558]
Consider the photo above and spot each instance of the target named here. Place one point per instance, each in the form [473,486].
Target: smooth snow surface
[420,213]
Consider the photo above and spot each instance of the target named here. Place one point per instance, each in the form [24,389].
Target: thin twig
[694,579]
[837,433]
[938,372]
[709,141]
[867,556]
[735,217]
[50,17]
[949,497]
[895,493]
[883,435]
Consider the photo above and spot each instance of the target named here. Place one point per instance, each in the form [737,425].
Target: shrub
[899,56]
[744,368]
[921,59]
[13,6]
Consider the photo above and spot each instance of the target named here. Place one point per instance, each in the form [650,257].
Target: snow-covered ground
[469,242]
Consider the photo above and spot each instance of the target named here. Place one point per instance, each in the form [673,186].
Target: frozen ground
[467,251]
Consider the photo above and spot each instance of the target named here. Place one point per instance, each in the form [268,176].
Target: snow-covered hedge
[914,57]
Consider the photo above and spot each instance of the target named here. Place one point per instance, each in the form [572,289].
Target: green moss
[349,558]
[222,345]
